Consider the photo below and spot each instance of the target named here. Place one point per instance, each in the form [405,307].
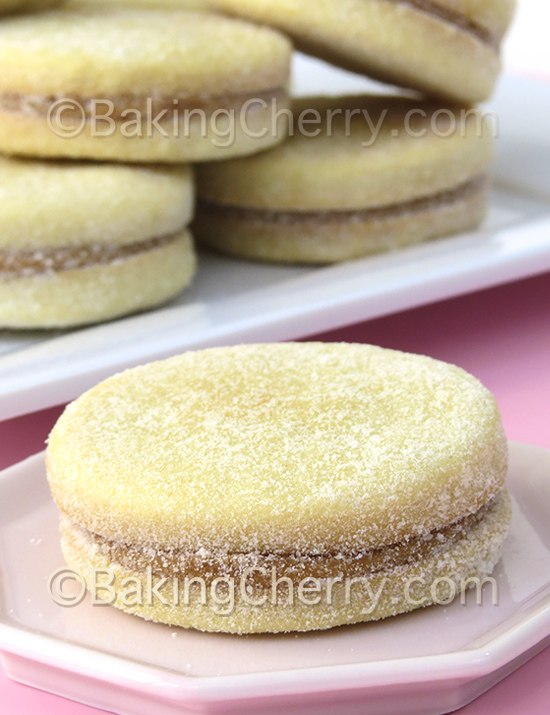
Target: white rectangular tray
[425,663]
[234,301]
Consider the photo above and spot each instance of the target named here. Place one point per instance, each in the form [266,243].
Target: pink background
[503,337]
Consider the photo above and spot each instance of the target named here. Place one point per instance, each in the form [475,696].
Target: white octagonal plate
[431,661]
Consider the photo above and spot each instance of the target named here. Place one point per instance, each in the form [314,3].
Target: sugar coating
[469,554]
[78,296]
[290,448]
[349,165]
[51,205]
[405,42]
[104,51]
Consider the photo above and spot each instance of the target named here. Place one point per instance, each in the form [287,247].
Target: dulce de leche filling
[244,213]
[177,563]
[39,261]
[453,17]
[127,106]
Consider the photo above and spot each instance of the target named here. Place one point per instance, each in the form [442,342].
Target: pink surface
[503,337]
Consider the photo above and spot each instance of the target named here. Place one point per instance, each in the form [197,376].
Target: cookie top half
[106,53]
[355,153]
[62,204]
[289,448]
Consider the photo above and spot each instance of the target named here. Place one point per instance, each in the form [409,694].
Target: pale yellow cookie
[80,243]
[131,84]
[237,466]
[360,175]
[449,48]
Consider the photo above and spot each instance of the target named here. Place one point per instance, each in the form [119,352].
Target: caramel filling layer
[38,261]
[444,198]
[126,107]
[452,17]
[179,563]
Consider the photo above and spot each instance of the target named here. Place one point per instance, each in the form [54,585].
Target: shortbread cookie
[219,474]
[372,174]
[129,84]
[80,243]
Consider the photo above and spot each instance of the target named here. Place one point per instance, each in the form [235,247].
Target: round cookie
[81,243]
[141,84]
[359,175]
[309,461]
[448,48]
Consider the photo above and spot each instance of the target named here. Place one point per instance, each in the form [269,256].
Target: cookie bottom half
[100,291]
[265,600]
[142,129]
[332,237]
[420,44]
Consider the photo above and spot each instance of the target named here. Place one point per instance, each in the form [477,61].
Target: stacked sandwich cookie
[82,242]
[102,83]
[164,82]
[388,172]
[359,186]
[125,84]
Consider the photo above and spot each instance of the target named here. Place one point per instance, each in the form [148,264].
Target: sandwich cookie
[448,48]
[359,175]
[81,243]
[271,488]
[142,85]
